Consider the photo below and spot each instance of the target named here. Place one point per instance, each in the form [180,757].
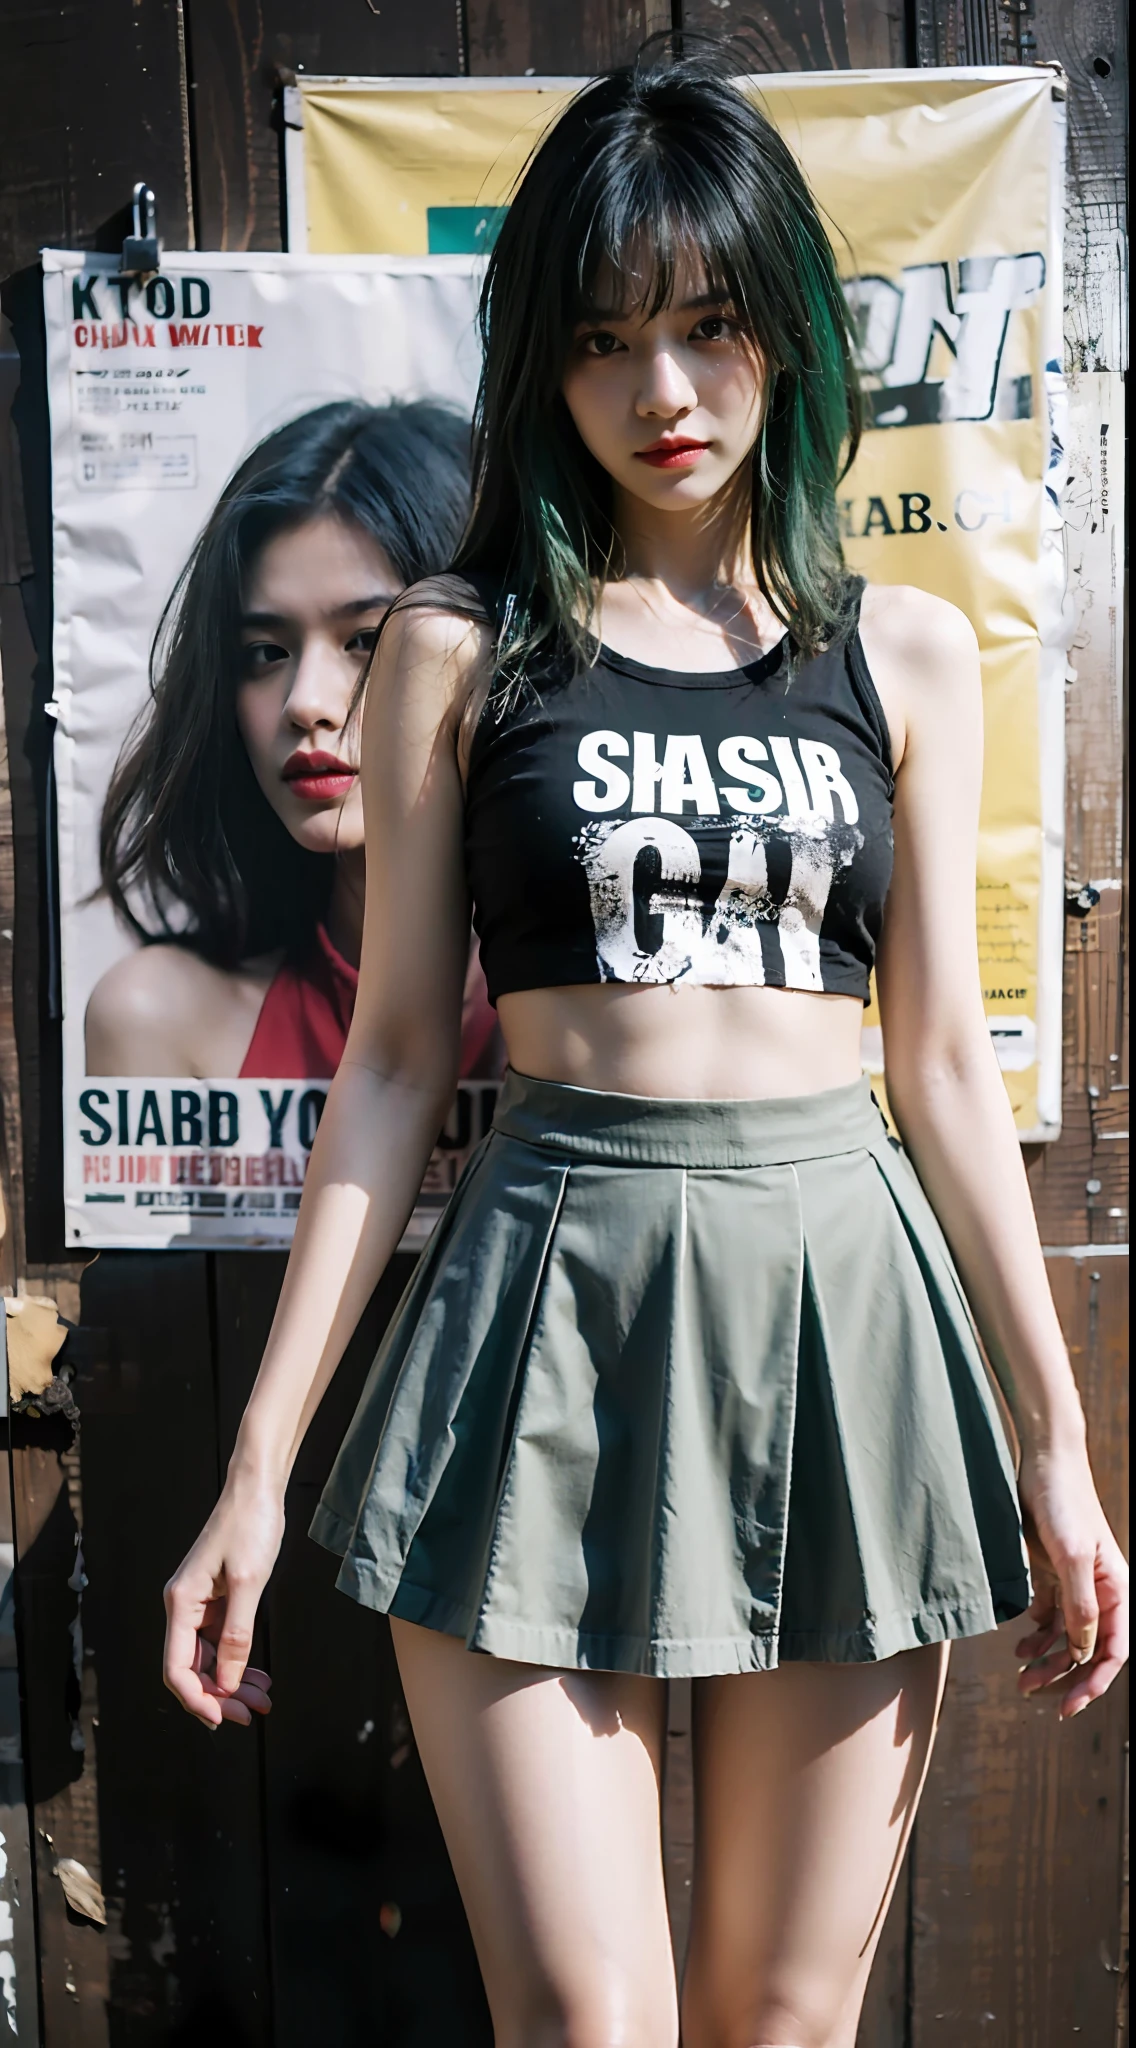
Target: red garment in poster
[302,1027]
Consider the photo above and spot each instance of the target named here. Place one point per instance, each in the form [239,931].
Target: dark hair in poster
[190,850]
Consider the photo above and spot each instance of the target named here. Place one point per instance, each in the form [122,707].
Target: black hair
[652,161]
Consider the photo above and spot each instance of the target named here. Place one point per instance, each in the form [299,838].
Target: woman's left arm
[950,1103]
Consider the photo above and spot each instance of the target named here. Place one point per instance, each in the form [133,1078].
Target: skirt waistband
[587,1124]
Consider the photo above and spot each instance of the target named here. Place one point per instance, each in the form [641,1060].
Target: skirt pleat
[418,1474]
[645,1410]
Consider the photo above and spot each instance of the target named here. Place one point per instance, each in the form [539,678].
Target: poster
[197,1128]
[943,193]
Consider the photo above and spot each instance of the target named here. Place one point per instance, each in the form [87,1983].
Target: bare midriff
[692,1043]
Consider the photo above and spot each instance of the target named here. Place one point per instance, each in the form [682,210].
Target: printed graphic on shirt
[722,882]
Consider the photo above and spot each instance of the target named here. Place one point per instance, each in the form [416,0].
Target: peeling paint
[82,1891]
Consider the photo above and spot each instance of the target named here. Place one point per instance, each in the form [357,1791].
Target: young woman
[685,1382]
[233,825]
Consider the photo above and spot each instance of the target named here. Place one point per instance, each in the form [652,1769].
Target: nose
[665,391]
[322,687]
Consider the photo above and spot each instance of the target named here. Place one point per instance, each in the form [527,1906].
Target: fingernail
[1078,1709]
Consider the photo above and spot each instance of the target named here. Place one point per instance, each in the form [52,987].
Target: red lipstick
[672,451]
[318,777]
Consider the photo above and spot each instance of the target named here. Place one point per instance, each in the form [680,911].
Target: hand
[211,1604]
[1080,1580]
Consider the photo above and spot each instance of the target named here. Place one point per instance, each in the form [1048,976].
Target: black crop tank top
[637,824]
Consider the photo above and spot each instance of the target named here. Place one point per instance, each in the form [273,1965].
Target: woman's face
[310,609]
[670,406]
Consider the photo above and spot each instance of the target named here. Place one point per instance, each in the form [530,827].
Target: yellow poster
[941,190]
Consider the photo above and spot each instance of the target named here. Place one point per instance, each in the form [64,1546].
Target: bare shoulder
[152,985]
[433,653]
[158,1010]
[914,625]
[923,656]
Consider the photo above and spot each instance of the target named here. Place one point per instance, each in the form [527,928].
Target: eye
[362,641]
[599,344]
[259,656]
[715,327]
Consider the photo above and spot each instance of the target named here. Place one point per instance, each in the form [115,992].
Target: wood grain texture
[805,35]
[19,1993]
[60,1719]
[957,32]
[236,51]
[1089,39]
[1018,1934]
[360,1891]
[1016,1927]
[1080,1184]
[506,38]
[180,1811]
[90,100]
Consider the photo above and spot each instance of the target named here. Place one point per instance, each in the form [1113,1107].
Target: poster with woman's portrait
[251,458]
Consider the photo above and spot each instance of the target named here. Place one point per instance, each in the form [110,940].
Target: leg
[547,1787]
[807,1780]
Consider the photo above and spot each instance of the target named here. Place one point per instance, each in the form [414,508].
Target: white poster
[203,1018]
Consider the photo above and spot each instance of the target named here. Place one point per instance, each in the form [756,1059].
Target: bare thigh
[806,1782]
[547,1787]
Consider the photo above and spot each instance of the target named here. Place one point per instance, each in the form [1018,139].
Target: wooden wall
[292,1887]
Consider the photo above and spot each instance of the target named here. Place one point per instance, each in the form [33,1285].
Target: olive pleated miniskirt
[682,1388]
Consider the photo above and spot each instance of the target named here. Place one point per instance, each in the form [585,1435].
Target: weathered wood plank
[1018,1925]
[805,35]
[19,1973]
[60,1716]
[1017,1876]
[180,1812]
[506,38]
[1090,42]
[1080,1185]
[236,50]
[361,1894]
[957,32]
[90,100]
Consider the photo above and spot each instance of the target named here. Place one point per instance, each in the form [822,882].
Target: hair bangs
[652,224]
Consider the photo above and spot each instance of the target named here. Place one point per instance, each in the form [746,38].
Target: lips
[672,452]
[319,778]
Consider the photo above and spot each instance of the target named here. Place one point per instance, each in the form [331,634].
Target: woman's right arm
[383,1113]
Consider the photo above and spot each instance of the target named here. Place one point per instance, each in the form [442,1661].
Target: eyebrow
[693,305]
[354,609]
